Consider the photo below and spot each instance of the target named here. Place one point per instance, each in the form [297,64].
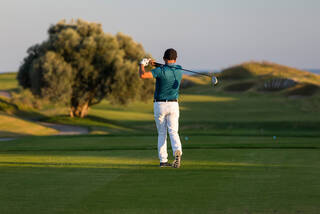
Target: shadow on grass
[184,148]
[253,128]
[87,121]
[6,134]
[77,165]
[99,144]
[96,123]
[207,118]
[151,166]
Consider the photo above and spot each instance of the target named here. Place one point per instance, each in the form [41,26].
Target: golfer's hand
[144,62]
[152,62]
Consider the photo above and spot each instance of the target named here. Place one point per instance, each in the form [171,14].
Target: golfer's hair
[170,54]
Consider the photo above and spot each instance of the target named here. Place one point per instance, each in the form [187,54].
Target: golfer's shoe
[166,164]
[177,159]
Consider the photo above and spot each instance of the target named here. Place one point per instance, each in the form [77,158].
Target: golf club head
[214,81]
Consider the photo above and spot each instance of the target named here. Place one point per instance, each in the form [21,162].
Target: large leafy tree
[79,65]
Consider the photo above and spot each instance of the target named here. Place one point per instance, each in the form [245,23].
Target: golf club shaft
[159,64]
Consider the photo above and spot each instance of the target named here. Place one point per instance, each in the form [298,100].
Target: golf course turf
[243,153]
[120,174]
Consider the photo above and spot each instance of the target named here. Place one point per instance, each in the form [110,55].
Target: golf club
[214,80]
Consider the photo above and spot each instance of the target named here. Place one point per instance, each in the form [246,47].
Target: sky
[208,34]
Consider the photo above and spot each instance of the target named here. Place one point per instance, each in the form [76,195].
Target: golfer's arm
[143,74]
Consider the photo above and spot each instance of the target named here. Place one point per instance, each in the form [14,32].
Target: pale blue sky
[208,34]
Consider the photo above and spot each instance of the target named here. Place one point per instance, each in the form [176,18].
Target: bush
[235,73]
[7,107]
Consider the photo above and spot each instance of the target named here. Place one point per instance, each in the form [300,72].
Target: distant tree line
[79,65]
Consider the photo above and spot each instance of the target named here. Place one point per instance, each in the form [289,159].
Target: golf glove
[145,62]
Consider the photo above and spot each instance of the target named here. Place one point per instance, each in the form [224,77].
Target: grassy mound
[191,81]
[269,77]
[239,87]
[268,69]
[304,89]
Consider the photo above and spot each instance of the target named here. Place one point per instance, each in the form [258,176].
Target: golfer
[166,107]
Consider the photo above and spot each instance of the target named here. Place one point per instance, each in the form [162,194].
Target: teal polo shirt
[168,81]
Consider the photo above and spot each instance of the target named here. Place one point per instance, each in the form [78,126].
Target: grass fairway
[11,126]
[8,81]
[120,174]
[231,163]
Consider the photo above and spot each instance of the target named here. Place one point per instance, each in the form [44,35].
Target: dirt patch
[66,129]
[5,94]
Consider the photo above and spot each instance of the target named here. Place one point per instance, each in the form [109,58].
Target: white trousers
[166,115]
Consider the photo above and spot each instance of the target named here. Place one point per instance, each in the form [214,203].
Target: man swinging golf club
[166,107]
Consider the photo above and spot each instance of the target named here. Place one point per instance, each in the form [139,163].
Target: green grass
[118,174]
[8,81]
[231,163]
[206,111]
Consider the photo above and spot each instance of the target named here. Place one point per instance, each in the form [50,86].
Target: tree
[79,65]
